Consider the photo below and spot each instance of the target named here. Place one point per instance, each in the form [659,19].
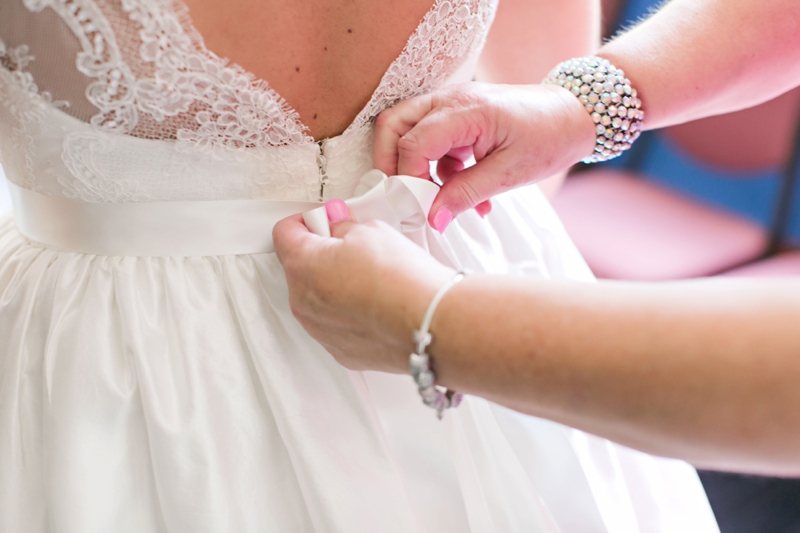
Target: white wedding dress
[152,377]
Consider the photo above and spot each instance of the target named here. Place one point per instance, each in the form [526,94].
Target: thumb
[340,229]
[340,218]
[471,187]
[289,235]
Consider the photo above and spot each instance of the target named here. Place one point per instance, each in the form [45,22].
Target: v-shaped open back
[148,73]
[332,53]
[121,101]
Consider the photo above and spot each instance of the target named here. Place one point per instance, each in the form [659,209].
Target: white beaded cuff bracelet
[608,97]
[420,360]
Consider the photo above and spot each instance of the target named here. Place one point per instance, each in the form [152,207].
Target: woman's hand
[362,293]
[519,134]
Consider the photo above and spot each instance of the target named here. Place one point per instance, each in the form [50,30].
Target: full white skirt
[180,395]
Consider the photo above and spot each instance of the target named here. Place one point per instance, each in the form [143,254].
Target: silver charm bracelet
[609,98]
[420,360]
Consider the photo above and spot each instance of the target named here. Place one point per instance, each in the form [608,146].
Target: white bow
[402,202]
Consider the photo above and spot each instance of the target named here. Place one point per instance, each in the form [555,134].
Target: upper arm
[529,37]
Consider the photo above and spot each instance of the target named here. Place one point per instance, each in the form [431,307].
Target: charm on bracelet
[420,360]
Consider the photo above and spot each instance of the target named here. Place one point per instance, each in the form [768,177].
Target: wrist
[608,98]
[420,295]
[578,130]
[403,311]
[420,362]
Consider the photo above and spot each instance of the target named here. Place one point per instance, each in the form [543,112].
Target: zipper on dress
[323,171]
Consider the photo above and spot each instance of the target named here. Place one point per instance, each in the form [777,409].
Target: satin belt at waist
[152,229]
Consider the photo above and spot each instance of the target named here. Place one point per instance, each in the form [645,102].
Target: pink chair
[630,228]
[785,264]
[627,228]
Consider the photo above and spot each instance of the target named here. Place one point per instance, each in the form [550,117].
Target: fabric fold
[185,397]
[402,202]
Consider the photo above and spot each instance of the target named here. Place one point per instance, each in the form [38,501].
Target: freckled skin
[324,57]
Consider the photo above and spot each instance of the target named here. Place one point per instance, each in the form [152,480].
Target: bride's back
[325,57]
[211,100]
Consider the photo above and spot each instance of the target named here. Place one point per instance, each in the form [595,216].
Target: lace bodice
[120,101]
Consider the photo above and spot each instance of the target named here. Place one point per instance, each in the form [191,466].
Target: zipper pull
[323,173]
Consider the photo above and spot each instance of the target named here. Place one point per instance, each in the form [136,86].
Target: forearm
[697,58]
[704,371]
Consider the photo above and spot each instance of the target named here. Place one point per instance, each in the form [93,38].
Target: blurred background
[714,197]
[711,197]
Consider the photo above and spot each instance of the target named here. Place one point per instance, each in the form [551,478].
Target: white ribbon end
[317,221]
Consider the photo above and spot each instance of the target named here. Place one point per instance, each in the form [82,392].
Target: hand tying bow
[402,202]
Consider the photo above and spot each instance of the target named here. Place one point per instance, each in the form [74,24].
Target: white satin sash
[219,227]
[150,229]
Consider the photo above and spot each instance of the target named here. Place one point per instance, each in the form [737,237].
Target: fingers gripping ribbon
[403,202]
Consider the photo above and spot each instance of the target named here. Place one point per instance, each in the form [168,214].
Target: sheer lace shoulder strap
[452,32]
[135,67]
[138,68]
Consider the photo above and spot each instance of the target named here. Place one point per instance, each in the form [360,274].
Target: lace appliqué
[26,105]
[113,91]
[221,105]
[446,37]
[21,96]
[278,177]
[229,134]
[228,106]
[87,182]
[235,109]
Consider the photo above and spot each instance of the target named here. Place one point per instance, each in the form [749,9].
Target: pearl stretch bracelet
[609,98]
[420,360]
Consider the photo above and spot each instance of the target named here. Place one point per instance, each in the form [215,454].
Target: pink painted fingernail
[483,209]
[442,219]
[336,210]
